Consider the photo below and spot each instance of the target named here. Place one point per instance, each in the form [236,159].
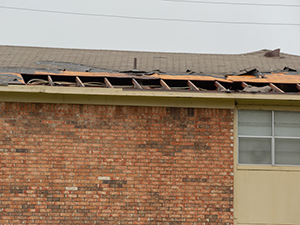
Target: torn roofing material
[274,82]
[10,78]
[26,59]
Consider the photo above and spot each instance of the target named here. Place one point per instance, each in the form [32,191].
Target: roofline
[116,96]
[143,51]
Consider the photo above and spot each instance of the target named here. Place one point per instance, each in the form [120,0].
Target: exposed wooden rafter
[79,82]
[136,84]
[107,83]
[244,84]
[219,86]
[275,88]
[192,86]
[51,83]
[164,85]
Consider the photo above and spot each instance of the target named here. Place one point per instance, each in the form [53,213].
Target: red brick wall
[86,164]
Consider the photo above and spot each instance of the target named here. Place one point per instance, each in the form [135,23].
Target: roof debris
[273,54]
[253,72]
[253,89]
[288,69]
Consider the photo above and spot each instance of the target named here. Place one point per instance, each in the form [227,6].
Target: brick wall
[86,164]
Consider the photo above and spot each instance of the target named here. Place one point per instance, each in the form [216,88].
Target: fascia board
[146,93]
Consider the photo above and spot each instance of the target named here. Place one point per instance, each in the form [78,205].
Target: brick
[71,188]
[76,164]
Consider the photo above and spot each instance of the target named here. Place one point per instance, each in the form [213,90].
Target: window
[268,137]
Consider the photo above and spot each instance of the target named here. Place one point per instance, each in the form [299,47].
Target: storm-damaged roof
[24,59]
[262,71]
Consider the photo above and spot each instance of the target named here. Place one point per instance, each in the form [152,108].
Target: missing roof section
[127,82]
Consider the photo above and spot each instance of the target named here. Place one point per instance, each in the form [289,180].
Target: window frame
[273,138]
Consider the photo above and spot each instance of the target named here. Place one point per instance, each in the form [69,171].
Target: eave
[134,97]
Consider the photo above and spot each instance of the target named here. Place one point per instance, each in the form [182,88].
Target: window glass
[255,123]
[255,150]
[287,124]
[259,144]
[287,151]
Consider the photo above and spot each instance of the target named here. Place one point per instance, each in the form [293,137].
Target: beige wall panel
[267,197]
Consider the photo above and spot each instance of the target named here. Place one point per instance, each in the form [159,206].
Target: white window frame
[273,137]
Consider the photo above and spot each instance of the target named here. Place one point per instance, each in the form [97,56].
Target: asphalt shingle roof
[18,59]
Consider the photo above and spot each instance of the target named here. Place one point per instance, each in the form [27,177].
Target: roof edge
[146,51]
[88,91]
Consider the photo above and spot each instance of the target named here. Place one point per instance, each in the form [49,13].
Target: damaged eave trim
[141,93]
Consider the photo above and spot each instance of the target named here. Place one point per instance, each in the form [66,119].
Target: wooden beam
[136,84]
[51,83]
[107,83]
[192,86]
[164,85]
[244,84]
[79,82]
[275,88]
[219,86]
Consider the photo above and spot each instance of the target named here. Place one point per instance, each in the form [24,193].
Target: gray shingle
[171,63]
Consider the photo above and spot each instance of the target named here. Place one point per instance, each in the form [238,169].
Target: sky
[190,26]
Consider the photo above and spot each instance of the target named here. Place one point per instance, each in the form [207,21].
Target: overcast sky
[33,28]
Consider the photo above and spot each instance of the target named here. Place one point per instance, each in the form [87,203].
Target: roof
[263,71]
[24,59]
